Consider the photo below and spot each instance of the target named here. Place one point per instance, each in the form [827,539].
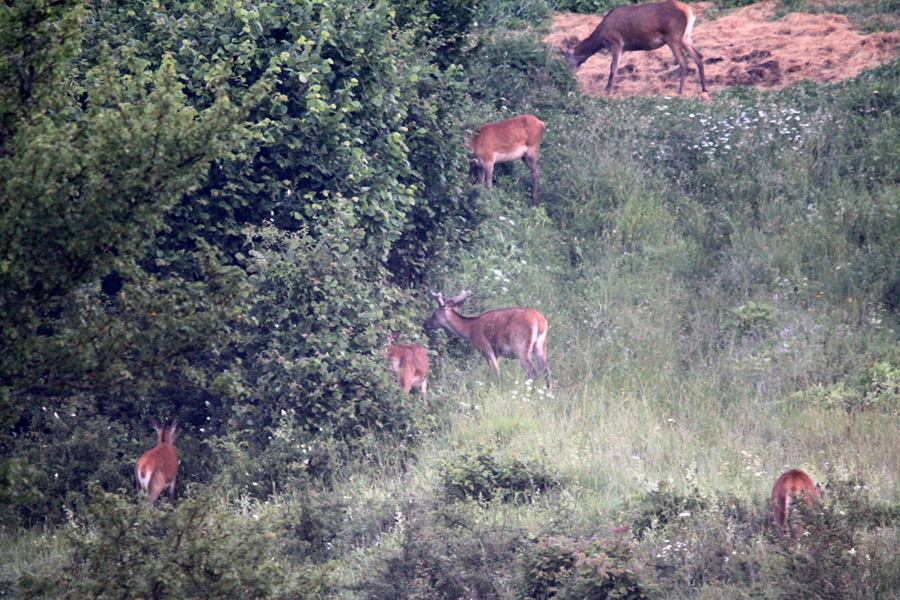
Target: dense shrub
[514,14]
[444,23]
[588,6]
[513,73]
[592,569]
[202,549]
[194,140]
[752,319]
[703,540]
[877,388]
[483,475]
[441,551]
[316,331]
[70,449]
[832,550]
[663,506]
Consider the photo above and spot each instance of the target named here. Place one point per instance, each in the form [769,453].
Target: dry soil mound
[747,46]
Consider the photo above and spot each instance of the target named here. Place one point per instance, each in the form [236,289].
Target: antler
[462,296]
[438,297]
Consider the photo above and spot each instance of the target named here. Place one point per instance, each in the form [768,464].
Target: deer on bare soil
[642,27]
[502,333]
[156,469]
[508,141]
[790,487]
[410,363]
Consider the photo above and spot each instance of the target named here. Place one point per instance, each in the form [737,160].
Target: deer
[642,27]
[410,363]
[156,469]
[507,141]
[791,486]
[502,333]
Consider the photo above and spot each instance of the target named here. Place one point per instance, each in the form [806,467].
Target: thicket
[212,210]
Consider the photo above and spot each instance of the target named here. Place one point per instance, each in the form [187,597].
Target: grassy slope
[667,219]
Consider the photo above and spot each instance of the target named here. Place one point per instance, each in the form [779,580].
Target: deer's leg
[541,355]
[532,162]
[678,51]
[494,361]
[525,359]
[424,389]
[613,68]
[487,172]
[405,383]
[698,59]
[155,488]
[529,367]
[479,172]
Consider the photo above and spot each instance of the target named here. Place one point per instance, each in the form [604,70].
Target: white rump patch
[690,26]
[144,477]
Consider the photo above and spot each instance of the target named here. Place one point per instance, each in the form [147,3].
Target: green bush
[513,73]
[876,389]
[832,549]
[839,395]
[441,551]
[514,14]
[315,338]
[599,7]
[751,319]
[593,569]
[445,24]
[69,447]
[706,542]
[202,549]
[663,506]
[482,475]
[881,386]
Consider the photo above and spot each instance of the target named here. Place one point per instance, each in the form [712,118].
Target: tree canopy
[216,201]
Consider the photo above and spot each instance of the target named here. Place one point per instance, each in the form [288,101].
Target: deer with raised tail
[502,333]
[642,27]
[507,141]
[791,487]
[410,363]
[156,469]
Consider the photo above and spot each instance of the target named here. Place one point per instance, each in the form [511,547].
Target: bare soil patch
[746,46]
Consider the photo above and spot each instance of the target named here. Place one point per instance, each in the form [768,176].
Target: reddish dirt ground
[745,46]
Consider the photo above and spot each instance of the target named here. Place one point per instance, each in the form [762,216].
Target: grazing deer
[642,27]
[790,486]
[508,141]
[156,468]
[503,333]
[410,363]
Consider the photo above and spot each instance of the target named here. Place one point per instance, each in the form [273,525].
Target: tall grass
[703,268]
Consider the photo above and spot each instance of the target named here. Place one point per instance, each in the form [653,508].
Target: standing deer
[508,141]
[156,468]
[642,27]
[410,363]
[790,486]
[503,333]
